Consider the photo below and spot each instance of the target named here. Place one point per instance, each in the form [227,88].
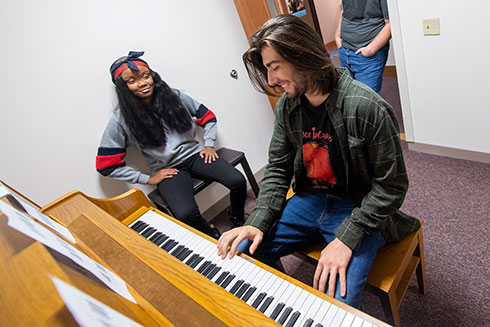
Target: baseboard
[390,71]
[450,152]
[331,45]
[224,203]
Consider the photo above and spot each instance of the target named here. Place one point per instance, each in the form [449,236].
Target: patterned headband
[132,61]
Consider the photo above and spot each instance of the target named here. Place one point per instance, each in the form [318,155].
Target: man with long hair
[340,141]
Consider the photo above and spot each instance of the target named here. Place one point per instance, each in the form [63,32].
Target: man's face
[281,72]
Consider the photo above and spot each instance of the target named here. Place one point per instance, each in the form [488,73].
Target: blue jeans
[367,70]
[308,218]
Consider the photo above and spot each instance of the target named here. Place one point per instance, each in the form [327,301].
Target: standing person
[340,141]
[363,37]
[160,122]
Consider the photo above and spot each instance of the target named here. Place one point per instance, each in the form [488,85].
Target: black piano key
[178,250]
[242,290]
[308,322]
[258,300]
[248,294]
[169,245]
[293,319]
[235,287]
[203,266]
[166,243]
[222,277]
[276,311]
[196,262]
[136,225]
[318,325]
[163,240]
[184,254]
[141,227]
[210,268]
[214,272]
[285,315]
[147,232]
[266,304]
[160,239]
[191,259]
[155,236]
[227,281]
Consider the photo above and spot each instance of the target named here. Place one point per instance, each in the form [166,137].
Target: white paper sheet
[31,228]
[89,312]
[3,190]
[57,227]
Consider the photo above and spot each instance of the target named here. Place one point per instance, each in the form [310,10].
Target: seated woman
[159,121]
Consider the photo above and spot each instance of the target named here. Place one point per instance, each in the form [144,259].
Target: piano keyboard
[278,299]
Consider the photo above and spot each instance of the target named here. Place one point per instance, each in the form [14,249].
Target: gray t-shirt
[362,20]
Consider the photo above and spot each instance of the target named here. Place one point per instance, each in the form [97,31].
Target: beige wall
[56,95]
[328,12]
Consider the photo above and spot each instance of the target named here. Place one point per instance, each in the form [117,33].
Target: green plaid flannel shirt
[369,139]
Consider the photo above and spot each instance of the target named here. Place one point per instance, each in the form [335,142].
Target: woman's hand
[161,175]
[208,154]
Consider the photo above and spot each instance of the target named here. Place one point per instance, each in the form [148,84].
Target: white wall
[56,95]
[444,82]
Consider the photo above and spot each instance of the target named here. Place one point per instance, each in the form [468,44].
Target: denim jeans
[367,70]
[308,218]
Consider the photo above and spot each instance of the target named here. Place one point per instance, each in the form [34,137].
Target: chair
[391,272]
[234,157]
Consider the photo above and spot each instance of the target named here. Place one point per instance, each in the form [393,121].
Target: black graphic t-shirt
[321,151]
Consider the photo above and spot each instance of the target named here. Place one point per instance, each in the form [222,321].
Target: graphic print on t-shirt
[317,160]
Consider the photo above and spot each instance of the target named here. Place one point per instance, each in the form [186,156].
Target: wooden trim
[331,45]
[390,71]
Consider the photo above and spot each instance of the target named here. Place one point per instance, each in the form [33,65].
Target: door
[254,13]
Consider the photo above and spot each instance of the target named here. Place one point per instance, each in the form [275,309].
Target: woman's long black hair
[149,124]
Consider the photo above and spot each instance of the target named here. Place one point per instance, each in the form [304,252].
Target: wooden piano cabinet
[183,296]
[28,297]
[147,268]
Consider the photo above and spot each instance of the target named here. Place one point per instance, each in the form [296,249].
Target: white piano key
[357,322]
[241,273]
[261,285]
[339,317]
[290,297]
[278,295]
[316,303]
[299,305]
[348,320]
[309,305]
[329,315]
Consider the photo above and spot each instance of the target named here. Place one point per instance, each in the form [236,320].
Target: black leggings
[178,193]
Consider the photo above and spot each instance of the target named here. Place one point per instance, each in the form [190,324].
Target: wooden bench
[234,157]
[391,272]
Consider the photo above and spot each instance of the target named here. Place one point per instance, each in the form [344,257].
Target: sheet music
[29,227]
[57,227]
[89,312]
[3,190]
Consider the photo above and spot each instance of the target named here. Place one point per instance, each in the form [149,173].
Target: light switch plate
[431,26]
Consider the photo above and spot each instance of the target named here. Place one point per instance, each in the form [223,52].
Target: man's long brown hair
[297,43]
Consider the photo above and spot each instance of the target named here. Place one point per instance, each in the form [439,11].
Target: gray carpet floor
[452,196]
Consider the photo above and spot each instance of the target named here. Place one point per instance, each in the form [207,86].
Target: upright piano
[172,271]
